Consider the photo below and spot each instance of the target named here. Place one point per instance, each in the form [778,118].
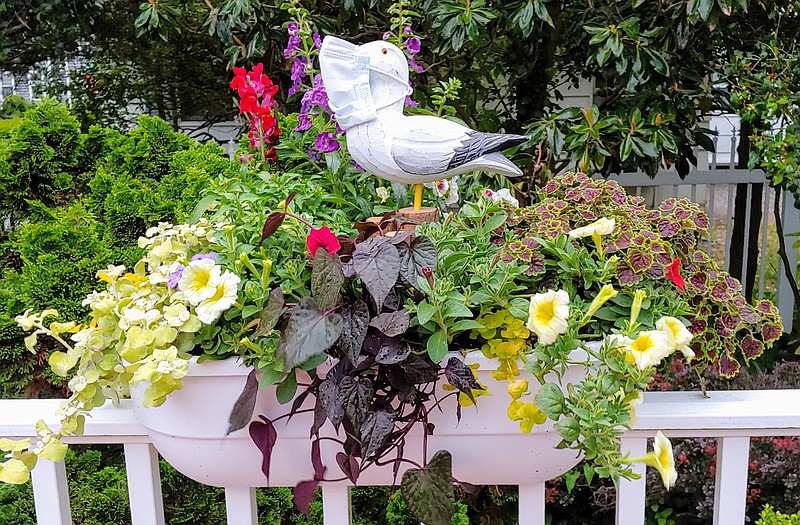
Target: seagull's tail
[498,142]
[497,163]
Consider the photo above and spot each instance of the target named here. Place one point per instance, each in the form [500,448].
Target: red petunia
[674,274]
[322,238]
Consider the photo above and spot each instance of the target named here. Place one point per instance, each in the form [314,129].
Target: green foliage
[39,160]
[13,107]
[769,516]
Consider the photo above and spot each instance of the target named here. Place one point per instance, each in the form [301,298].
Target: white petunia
[548,314]
[602,226]
[678,335]
[224,296]
[199,280]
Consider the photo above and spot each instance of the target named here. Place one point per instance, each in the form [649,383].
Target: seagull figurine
[367,86]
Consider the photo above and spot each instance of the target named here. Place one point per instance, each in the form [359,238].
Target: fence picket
[730,491]
[51,494]
[240,506]
[531,504]
[631,493]
[336,504]
[144,484]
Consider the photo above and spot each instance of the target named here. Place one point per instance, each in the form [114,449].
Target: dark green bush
[13,107]
[39,159]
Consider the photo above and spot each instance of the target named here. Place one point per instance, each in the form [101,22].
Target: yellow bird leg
[417,196]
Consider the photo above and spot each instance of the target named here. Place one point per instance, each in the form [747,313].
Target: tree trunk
[738,251]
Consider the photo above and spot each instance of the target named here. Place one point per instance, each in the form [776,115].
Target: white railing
[733,417]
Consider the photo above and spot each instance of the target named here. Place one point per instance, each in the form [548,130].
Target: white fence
[732,417]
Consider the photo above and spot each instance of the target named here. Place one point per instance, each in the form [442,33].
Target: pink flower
[673,274]
[322,238]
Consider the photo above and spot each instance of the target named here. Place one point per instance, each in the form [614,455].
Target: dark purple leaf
[327,279]
[429,491]
[319,418]
[355,320]
[392,324]
[377,262]
[316,461]
[392,351]
[460,376]
[420,254]
[264,436]
[349,466]
[243,408]
[297,403]
[304,494]
[420,371]
[270,314]
[355,396]
[377,427]
[272,224]
[329,397]
[309,332]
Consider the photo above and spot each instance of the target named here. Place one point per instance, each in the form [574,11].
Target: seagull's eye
[384,51]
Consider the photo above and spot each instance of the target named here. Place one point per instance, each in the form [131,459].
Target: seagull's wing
[425,145]
[430,145]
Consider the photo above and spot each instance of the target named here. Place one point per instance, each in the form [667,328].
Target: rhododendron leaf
[243,408]
[349,466]
[550,400]
[375,430]
[264,435]
[429,491]
[327,279]
[392,324]
[420,254]
[378,263]
[272,224]
[270,314]
[304,494]
[460,376]
[309,332]
[355,321]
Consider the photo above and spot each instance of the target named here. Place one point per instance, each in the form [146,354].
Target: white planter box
[487,448]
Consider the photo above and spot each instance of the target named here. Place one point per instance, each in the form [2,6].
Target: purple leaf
[304,495]
[309,332]
[289,200]
[377,427]
[270,314]
[420,254]
[392,324]
[327,279]
[272,224]
[392,351]
[355,396]
[460,376]
[429,491]
[377,262]
[349,466]
[355,320]
[242,410]
[264,437]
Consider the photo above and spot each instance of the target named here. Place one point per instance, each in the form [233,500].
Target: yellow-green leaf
[8,445]
[15,472]
[54,450]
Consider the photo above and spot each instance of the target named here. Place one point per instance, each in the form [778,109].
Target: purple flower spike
[317,41]
[416,67]
[292,46]
[303,122]
[175,278]
[407,30]
[314,155]
[293,28]
[387,35]
[326,142]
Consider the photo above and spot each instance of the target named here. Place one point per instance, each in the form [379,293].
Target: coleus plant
[654,247]
[381,386]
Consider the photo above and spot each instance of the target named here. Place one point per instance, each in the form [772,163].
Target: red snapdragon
[257,99]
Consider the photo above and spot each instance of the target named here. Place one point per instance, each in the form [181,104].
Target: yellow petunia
[678,336]
[602,226]
[648,349]
[199,280]
[548,314]
[662,459]
[225,294]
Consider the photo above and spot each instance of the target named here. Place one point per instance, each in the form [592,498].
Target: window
[6,85]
